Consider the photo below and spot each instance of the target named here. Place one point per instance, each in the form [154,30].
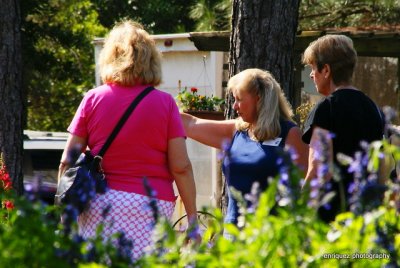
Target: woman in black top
[346,112]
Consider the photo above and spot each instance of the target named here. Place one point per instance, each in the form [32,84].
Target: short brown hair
[335,50]
[130,56]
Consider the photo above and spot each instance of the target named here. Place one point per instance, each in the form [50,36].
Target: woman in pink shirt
[150,145]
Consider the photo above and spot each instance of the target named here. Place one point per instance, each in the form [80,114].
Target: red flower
[7,185]
[193,89]
[5,178]
[9,205]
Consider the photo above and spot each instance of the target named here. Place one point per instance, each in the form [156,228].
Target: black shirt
[351,116]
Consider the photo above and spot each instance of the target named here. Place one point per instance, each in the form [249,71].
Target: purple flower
[253,197]
[193,232]
[292,152]
[153,201]
[390,114]
[322,151]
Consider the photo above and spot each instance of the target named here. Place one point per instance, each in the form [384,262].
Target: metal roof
[44,140]
[44,144]
[45,135]
[367,42]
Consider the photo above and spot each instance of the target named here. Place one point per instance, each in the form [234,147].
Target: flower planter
[207,114]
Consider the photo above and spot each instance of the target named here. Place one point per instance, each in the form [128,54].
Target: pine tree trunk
[11,129]
[263,35]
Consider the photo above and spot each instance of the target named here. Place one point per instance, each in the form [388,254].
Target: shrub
[279,229]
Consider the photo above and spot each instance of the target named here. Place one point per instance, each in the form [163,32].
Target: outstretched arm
[209,132]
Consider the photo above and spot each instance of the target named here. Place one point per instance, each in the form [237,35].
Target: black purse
[80,183]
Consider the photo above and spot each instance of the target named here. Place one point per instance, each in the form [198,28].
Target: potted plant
[208,107]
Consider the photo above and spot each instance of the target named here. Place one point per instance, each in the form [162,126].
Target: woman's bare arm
[295,142]
[395,140]
[74,145]
[181,169]
[316,151]
[209,132]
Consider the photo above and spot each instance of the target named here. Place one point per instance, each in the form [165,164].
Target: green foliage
[289,234]
[158,16]
[34,236]
[302,112]
[313,14]
[278,230]
[161,16]
[316,15]
[192,101]
[212,15]
[57,38]
[29,240]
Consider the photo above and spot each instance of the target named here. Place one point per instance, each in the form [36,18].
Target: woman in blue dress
[263,128]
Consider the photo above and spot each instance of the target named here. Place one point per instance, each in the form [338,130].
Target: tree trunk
[263,35]
[11,130]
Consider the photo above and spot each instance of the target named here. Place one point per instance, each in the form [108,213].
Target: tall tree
[11,91]
[262,36]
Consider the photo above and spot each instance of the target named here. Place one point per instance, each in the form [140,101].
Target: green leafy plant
[279,229]
[192,101]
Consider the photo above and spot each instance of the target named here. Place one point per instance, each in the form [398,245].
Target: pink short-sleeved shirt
[140,148]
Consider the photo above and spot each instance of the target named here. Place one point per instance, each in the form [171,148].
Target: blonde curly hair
[129,56]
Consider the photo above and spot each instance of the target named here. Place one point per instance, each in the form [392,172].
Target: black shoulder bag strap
[120,124]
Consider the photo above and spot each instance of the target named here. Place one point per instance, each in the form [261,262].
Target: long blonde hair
[271,106]
[130,56]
